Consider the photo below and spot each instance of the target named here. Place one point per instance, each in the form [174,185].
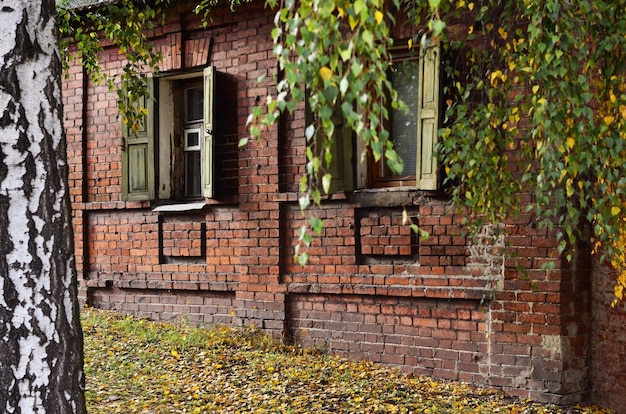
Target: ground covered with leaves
[137,366]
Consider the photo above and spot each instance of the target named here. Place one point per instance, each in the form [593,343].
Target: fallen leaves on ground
[137,366]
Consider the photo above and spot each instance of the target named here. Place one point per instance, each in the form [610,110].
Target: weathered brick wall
[608,343]
[425,336]
[449,306]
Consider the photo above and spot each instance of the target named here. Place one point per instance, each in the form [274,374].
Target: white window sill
[179,208]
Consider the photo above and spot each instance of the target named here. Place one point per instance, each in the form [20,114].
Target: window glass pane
[404,78]
[192,139]
[192,173]
[194,101]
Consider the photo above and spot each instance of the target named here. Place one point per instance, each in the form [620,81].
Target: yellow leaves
[378,16]
[341,12]
[608,120]
[325,73]
[512,65]
[503,34]
[496,76]
[175,353]
[615,210]
[239,370]
[353,22]
[570,142]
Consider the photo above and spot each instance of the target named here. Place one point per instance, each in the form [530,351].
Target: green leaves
[552,97]
[124,24]
[337,51]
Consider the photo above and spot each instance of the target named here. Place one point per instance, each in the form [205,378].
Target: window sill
[393,196]
[192,205]
[179,207]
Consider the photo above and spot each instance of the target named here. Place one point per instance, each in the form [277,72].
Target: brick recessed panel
[382,234]
[182,237]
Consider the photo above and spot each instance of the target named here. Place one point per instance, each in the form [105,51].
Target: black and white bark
[41,359]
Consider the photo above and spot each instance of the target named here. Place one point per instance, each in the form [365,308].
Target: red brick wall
[608,343]
[449,306]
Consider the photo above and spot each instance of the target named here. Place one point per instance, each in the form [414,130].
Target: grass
[137,366]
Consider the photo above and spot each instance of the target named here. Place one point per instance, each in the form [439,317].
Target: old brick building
[178,222]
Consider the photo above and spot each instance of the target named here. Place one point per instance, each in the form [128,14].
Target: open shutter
[428,119]
[138,154]
[208,132]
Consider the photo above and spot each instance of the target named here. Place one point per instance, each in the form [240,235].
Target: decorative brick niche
[182,239]
[382,236]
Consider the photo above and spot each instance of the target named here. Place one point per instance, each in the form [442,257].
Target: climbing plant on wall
[539,107]
[127,25]
[534,95]
[535,98]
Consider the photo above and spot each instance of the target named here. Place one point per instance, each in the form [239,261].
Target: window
[414,134]
[341,165]
[171,156]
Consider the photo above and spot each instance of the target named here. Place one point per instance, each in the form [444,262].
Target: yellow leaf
[470,6]
[608,120]
[471,29]
[622,109]
[342,13]
[615,210]
[326,73]
[175,354]
[495,75]
[503,33]
[410,43]
[619,291]
[353,22]
[535,88]
[570,142]
[378,16]
[612,97]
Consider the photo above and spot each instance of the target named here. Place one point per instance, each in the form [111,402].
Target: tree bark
[41,354]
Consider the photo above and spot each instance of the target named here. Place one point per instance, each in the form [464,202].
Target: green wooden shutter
[428,119]
[138,155]
[208,132]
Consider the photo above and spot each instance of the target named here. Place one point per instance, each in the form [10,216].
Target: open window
[172,156]
[415,76]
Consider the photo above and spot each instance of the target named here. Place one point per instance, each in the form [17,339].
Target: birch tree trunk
[41,360]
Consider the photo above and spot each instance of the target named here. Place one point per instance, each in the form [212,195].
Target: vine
[126,25]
